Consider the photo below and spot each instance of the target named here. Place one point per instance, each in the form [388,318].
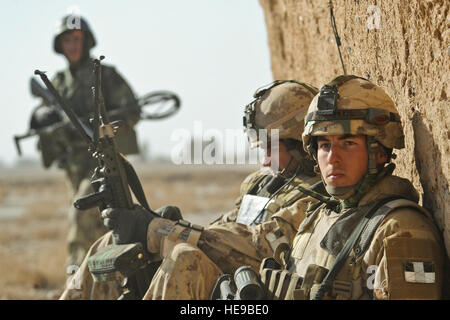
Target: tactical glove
[170,212]
[44,116]
[128,225]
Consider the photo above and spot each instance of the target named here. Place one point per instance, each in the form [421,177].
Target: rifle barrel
[65,107]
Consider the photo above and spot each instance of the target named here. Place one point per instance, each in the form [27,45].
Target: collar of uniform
[390,186]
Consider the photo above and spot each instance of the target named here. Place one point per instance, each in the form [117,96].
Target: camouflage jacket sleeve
[118,95]
[231,245]
[407,255]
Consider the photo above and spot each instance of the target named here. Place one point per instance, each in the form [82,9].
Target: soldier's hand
[128,225]
[170,212]
[44,116]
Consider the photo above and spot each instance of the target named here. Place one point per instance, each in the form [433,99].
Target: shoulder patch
[419,271]
[413,268]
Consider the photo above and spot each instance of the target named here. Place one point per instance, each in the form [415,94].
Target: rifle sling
[134,183]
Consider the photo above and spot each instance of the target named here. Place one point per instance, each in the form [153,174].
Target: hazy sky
[212,53]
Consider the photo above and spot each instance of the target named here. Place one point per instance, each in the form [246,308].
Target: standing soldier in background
[64,146]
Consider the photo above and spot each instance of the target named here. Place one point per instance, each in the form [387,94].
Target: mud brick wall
[404,47]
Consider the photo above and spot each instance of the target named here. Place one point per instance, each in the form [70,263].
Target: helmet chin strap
[351,195]
[341,193]
[285,169]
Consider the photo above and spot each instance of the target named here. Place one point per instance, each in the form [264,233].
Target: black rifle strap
[135,184]
[327,282]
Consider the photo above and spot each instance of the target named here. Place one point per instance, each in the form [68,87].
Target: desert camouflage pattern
[405,235]
[255,181]
[178,258]
[190,270]
[176,280]
[281,108]
[220,249]
[357,94]
[227,244]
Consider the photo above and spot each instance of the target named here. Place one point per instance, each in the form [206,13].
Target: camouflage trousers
[186,273]
[85,227]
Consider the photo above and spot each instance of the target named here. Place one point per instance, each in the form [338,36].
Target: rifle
[112,180]
[162,104]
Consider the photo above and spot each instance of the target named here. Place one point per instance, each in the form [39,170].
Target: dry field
[33,217]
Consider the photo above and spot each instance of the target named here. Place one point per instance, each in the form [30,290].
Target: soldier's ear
[382,156]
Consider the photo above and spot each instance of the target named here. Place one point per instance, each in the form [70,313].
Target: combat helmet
[74,22]
[353,105]
[280,106]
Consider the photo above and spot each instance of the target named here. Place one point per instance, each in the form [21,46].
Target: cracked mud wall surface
[404,47]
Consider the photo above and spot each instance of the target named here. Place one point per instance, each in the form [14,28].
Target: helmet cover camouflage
[360,107]
[280,106]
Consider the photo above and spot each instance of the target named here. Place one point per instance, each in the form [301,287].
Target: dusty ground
[33,217]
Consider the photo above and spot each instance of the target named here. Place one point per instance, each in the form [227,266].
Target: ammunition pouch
[48,154]
[115,262]
[281,284]
[125,259]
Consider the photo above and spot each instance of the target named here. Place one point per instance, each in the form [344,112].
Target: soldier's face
[72,45]
[342,159]
[280,162]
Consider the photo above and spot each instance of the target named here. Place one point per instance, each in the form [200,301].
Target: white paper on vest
[251,207]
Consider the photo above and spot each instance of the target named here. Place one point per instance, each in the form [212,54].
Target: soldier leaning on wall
[370,240]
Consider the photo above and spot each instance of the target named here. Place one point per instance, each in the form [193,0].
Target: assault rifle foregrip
[92,200]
